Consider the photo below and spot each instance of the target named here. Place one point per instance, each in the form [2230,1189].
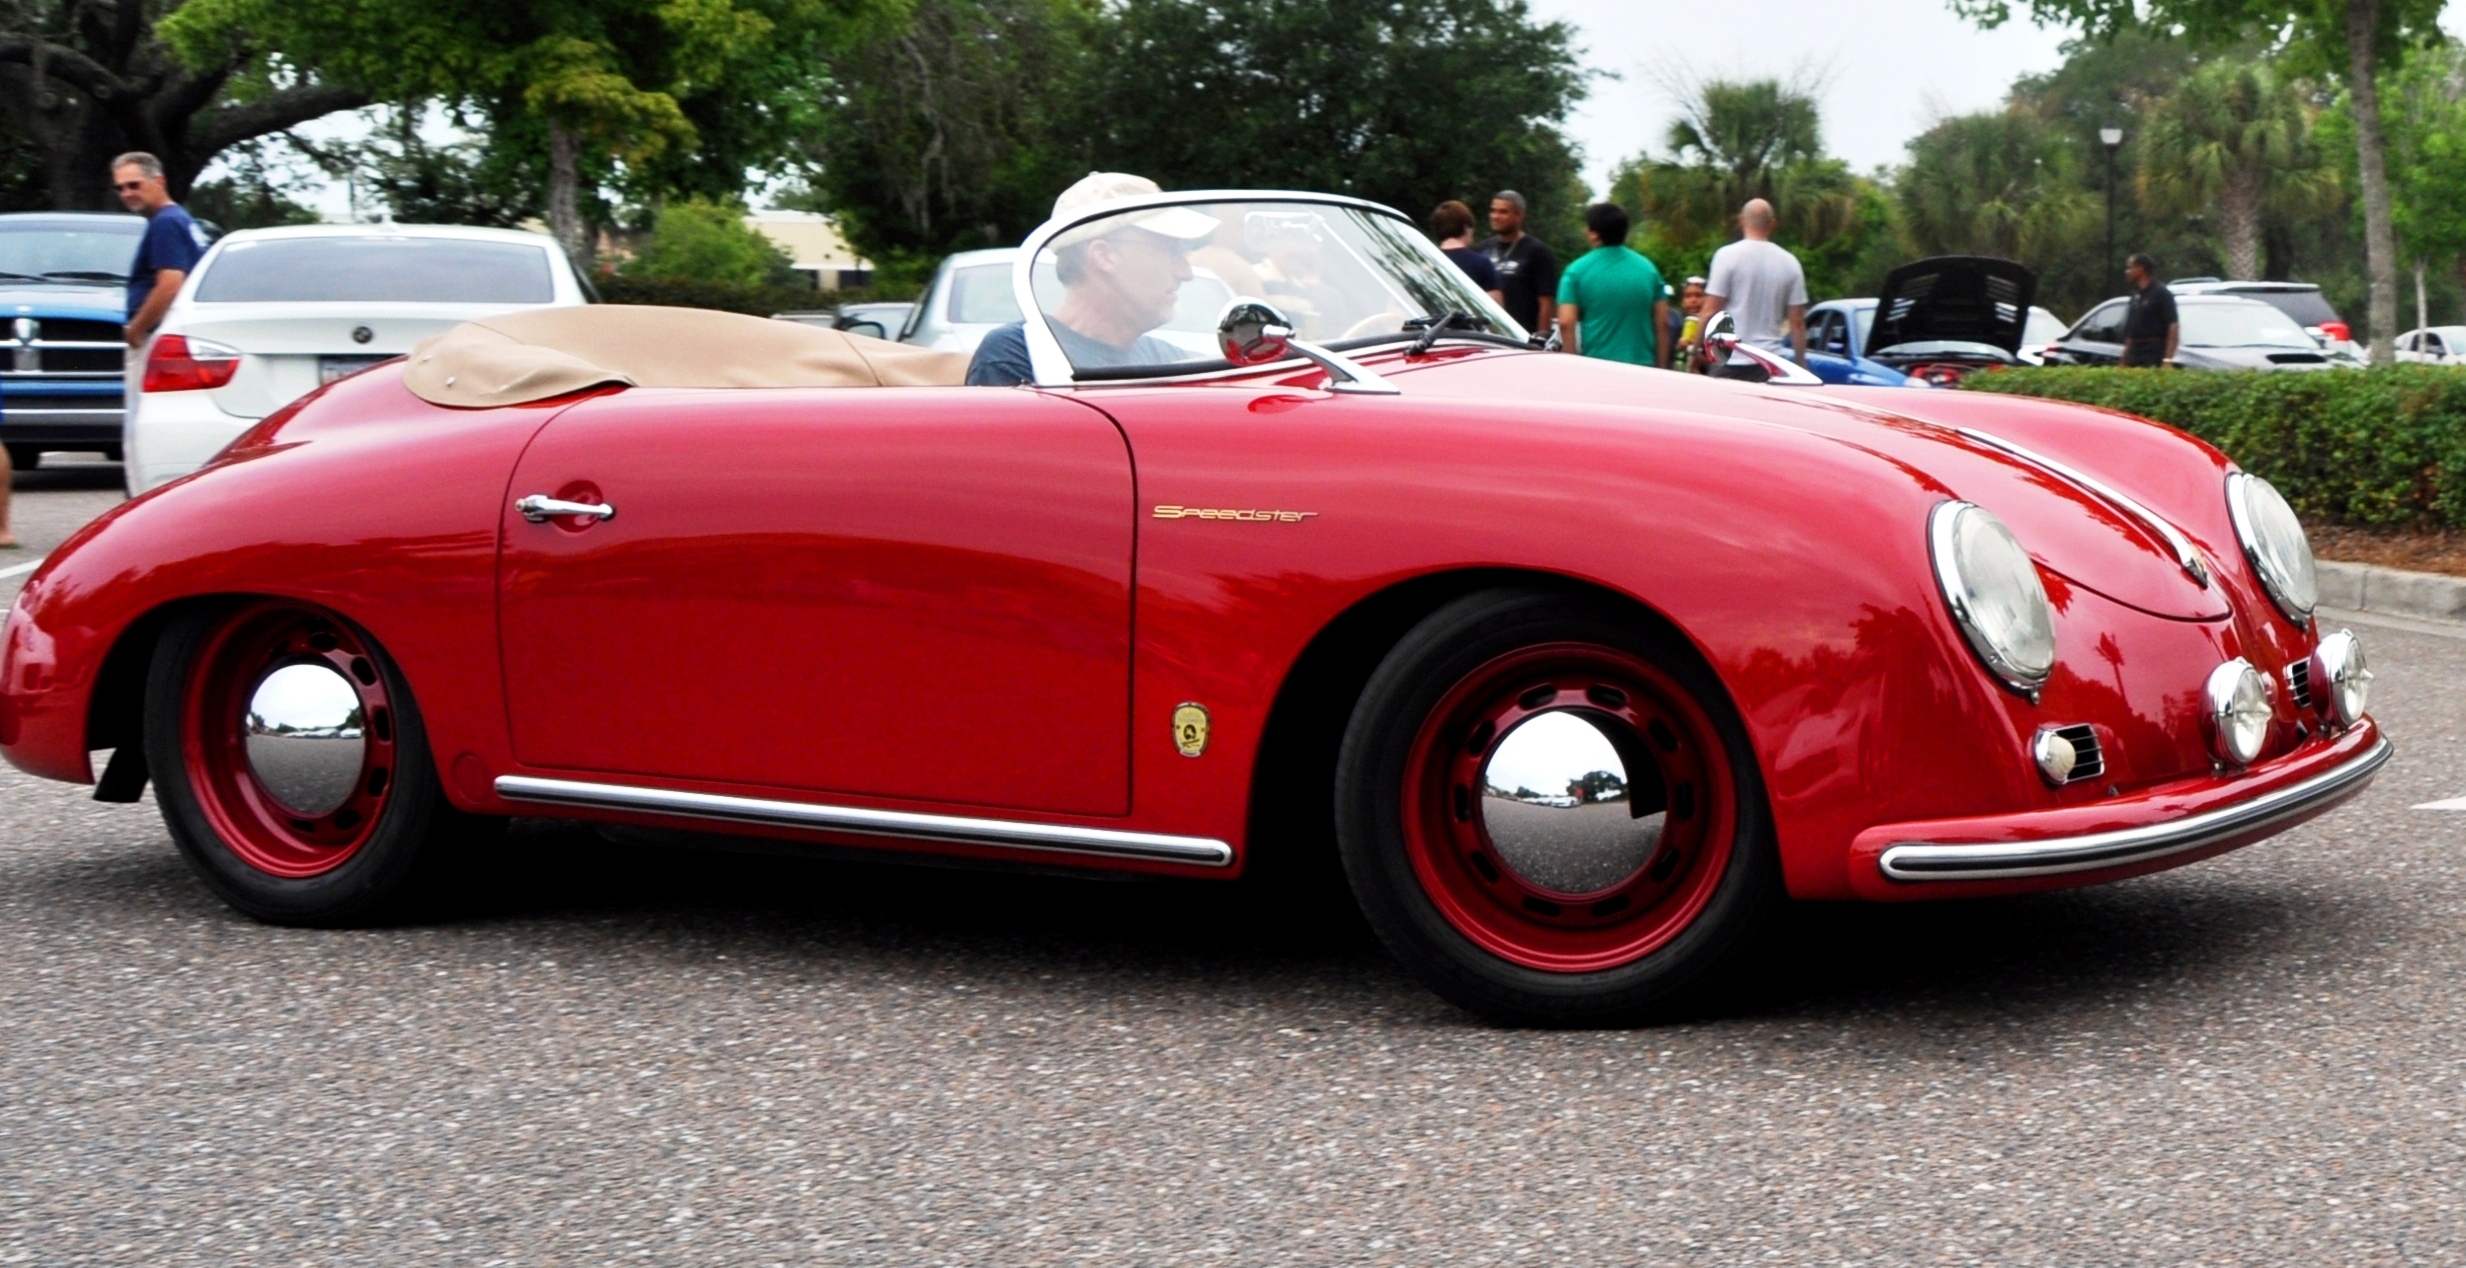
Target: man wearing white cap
[1120,277]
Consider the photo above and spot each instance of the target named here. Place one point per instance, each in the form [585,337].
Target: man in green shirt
[1612,302]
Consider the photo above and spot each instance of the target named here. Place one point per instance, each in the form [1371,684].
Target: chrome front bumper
[1927,861]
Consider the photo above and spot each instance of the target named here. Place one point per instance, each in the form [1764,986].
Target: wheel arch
[1292,782]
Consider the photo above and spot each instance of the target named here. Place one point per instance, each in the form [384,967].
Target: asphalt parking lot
[620,1052]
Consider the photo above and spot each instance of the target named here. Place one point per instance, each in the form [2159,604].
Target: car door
[1828,353]
[911,593]
[2098,339]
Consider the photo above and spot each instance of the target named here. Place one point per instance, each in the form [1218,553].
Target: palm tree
[2234,140]
[2001,183]
[1736,140]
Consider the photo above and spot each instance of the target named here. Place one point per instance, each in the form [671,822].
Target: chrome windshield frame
[1051,366]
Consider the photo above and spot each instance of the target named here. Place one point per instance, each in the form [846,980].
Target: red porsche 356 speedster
[1583,668]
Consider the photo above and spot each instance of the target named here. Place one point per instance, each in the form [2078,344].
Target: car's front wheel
[291,764]
[1548,810]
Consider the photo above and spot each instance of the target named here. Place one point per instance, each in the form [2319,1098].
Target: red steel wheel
[1548,810]
[1624,872]
[284,807]
[291,764]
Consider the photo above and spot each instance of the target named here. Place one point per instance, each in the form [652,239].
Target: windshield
[2043,327]
[2241,324]
[1145,288]
[98,250]
[374,269]
[980,294]
[2306,307]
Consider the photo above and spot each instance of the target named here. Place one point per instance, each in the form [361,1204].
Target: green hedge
[2382,447]
[760,301]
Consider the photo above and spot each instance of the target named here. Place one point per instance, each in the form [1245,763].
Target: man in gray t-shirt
[1763,288]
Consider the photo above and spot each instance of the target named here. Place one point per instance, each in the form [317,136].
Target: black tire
[1431,666]
[407,836]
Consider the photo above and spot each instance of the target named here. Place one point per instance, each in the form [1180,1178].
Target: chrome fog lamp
[1994,593]
[2349,677]
[2273,540]
[2238,702]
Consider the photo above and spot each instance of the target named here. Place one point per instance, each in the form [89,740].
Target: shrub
[2383,447]
[701,240]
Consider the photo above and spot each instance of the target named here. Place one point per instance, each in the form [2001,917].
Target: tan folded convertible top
[543,352]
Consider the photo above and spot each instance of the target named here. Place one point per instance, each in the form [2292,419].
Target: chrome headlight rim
[2346,673]
[2010,666]
[2295,595]
[2236,699]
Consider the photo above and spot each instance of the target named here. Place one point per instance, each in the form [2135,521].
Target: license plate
[332,368]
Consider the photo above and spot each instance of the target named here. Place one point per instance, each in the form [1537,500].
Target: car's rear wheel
[291,764]
[1548,810]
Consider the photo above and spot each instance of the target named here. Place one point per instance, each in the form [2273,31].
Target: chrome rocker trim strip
[1916,861]
[1151,846]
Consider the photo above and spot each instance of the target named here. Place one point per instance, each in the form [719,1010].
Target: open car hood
[1954,298]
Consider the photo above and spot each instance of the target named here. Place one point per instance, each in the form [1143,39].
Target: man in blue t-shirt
[166,253]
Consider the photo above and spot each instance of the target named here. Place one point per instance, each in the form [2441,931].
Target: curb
[2428,596]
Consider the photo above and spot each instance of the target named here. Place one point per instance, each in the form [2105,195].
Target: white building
[814,246]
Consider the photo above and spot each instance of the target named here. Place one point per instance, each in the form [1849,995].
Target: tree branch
[64,64]
[212,131]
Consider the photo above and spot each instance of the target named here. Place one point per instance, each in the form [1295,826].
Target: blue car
[63,297]
[1836,346]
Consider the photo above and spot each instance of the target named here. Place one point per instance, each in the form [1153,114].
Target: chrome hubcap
[306,738]
[1559,808]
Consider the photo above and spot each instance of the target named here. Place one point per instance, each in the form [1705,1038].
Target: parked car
[1578,669]
[1941,319]
[874,320]
[1837,334]
[2043,330]
[271,314]
[971,295]
[2220,332]
[64,299]
[2433,345]
[2299,300]
[1836,337]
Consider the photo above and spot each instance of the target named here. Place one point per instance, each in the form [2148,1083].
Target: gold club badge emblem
[1190,729]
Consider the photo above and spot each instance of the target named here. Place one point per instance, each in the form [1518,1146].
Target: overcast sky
[1889,67]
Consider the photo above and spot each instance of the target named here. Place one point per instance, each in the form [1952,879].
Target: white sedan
[2433,345]
[270,314]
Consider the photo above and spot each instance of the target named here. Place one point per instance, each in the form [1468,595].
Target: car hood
[47,299]
[2083,536]
[1968,298]
[2254,358]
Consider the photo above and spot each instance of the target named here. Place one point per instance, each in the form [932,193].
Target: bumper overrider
[2157,828]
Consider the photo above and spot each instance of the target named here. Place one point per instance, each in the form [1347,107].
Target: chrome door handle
[539,508]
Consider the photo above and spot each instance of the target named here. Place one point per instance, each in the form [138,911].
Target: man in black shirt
[1527,270]
[2151,331]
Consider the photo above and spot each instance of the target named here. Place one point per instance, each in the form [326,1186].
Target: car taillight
[2337,331]
[181,364]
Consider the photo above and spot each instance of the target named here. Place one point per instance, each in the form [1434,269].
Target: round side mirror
[1721,335]
[1252,332]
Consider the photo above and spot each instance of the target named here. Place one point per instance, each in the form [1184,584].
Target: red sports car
[1581,669]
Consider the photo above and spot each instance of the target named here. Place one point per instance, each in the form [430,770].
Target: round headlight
[2273,539]
[2238,700]
[1994,593]
[2349,677]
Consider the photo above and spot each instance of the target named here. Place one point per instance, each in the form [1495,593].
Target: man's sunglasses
[126,186]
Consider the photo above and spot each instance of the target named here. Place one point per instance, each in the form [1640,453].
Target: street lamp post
[2112,137]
